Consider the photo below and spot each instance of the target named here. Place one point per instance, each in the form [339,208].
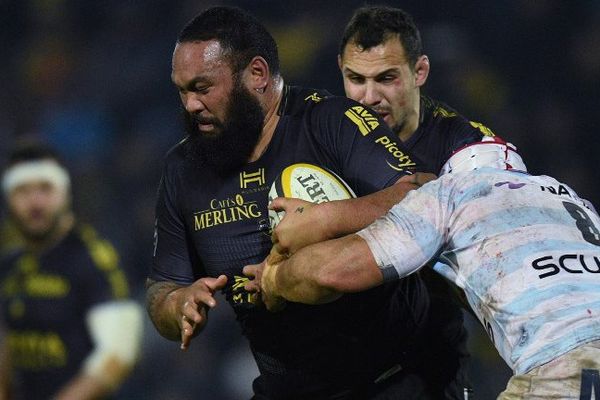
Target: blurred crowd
[92,78]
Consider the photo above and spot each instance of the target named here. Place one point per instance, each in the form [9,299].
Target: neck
[273,96]
[62,228]
[412,120]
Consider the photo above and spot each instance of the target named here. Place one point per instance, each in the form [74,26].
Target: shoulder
[442,118]
[101,252]
[8,259]
[105,259]
[298,100]
[175,157]
[174,164]
[307,101]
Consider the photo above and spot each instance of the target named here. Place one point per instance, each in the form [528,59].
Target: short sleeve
[171,259]
[412,233]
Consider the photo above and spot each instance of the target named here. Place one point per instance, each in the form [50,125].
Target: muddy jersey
[44,299]
[525,249]
[441,131]
[208,225]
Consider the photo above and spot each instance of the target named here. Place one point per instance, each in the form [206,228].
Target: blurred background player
[528,266]
[70,330]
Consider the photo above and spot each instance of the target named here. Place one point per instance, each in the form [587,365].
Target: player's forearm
[320,273]
[161,308]
[83,387]
[349,216]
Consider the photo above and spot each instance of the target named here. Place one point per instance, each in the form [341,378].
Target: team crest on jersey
[252,178]
[365,121]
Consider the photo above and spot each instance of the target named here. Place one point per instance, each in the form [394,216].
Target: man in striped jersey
[525,249]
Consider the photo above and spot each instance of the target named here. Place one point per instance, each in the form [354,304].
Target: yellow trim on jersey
[443,112]
[482,128]
[106,259]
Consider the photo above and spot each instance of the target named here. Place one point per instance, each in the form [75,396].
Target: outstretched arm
[116,330]
[306,223]
[318,273]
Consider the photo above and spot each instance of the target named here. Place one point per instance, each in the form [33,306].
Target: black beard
[229,149]
[37,236]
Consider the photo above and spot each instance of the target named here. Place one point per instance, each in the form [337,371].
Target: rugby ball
[307,182]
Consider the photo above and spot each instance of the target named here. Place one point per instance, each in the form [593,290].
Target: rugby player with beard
[71,330]
[244,126]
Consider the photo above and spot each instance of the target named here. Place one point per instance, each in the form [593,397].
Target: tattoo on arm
[300,210]
[156,294]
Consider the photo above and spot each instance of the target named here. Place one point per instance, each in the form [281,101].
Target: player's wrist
[268,280]
[328,220]
[270,287]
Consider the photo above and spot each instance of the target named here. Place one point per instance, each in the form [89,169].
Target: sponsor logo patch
[247,178]
[403,161]
[365,121]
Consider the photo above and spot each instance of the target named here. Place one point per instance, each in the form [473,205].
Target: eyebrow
[190,84]
[378,75]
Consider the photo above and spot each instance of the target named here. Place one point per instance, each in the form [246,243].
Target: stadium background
[92,78]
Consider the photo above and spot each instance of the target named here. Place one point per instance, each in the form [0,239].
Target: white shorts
[572,376]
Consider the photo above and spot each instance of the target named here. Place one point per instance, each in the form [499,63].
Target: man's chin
[37,232]
[36,235]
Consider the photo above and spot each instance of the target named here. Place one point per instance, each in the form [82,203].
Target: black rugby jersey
[209,225]
[44,300]
[441,131]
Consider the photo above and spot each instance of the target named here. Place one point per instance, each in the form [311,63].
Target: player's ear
[340,62]
[259,73]
[421,70]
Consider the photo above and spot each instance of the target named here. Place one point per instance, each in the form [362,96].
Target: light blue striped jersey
[524,248]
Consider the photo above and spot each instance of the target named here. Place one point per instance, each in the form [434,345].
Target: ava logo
[256,178]
[365,121]
[511,185]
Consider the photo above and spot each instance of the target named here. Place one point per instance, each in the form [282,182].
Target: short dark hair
[241,36]
[371,26]
[32,151]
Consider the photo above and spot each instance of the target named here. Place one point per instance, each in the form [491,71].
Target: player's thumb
[216,283]
[278,204]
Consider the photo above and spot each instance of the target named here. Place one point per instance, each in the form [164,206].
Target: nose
[371,95]
[192,103]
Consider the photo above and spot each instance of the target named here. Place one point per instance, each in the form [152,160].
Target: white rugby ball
[307,182]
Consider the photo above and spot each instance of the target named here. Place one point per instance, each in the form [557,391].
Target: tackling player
[72,332]
[525,249]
